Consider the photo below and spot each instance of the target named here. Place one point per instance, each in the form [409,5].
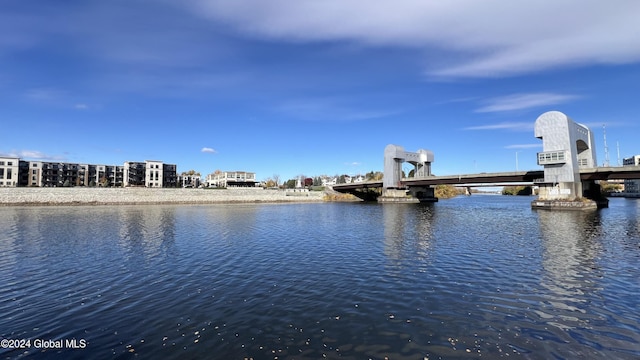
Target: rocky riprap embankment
[131,196]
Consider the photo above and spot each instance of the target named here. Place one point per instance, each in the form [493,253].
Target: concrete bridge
[569,179]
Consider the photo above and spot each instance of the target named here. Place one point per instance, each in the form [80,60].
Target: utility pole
[618,148]
[516,161]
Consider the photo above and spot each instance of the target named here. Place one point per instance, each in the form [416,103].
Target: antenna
[606,148]
[618,146]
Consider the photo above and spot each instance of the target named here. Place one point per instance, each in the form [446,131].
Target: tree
[104,182]
[191,173]
[308,182]
[517,190]
[276,179]
[374,175]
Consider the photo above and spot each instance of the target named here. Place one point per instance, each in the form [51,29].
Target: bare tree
[276,179]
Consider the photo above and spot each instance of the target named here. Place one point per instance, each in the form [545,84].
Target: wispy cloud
[33,155]
[208,150]
[524,146]
[47,95]
[331,109]
[525,101]
[597,34]
[514,126]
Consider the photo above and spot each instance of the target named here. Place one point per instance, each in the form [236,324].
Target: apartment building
[9,171]
[15,172]
[632,186]
[228,179]
[189,181]
[151,173]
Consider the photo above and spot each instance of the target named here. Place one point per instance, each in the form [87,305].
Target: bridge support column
[394,189]
[413,194]
[567,146]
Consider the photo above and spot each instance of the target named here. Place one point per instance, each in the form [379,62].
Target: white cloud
[33,155]
[81,106]
[486,38]
[516,126]
[208,150]
[525,101]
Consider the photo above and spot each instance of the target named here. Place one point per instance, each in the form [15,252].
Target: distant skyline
[313,87]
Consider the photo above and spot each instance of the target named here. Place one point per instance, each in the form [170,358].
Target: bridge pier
[413,194]
[567,147]
[393,189]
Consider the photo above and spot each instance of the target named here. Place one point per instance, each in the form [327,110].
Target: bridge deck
[501,178]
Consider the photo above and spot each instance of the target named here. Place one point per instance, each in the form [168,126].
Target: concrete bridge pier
[567,146]
[393,190]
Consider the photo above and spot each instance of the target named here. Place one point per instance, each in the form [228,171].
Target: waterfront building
[227,179]
[632,186]
[15,172]
[9,171]
[186,180]
[54,174]
[134,173]
[150,173]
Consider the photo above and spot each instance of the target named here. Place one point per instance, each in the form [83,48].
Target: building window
[1,163]
[551,157]
[10,163]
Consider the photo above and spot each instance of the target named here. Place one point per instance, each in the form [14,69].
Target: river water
[470,277]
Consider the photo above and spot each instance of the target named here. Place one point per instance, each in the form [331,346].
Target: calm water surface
[471,277]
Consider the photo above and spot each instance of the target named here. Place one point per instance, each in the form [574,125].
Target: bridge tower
[393,188]
[567,146]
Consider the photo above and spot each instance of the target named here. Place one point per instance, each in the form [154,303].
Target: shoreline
[149,196]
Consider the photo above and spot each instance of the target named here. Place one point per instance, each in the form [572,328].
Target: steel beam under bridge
[483,179]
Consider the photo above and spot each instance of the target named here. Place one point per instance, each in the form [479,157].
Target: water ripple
[469,277]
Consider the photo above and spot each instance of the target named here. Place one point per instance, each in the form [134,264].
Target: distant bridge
[531,177]
[567,181]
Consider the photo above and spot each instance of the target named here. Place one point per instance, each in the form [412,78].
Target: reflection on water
[146,232]
[407,229]
[571,249]
[470,277]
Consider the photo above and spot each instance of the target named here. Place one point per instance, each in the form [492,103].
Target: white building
[9,170]
[226,179]
[151,173]
[632,186]
[327,181]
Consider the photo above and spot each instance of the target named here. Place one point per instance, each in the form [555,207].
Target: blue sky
[308,87]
